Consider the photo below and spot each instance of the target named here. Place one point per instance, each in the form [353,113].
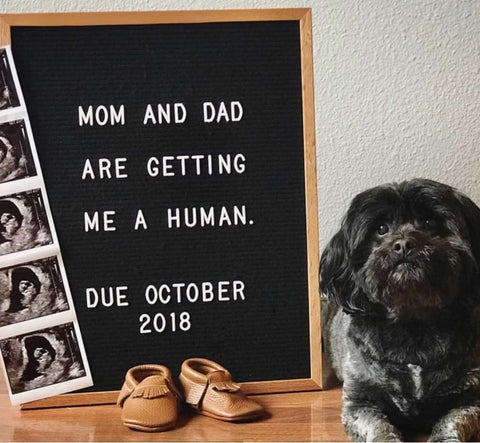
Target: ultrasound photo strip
[36,300]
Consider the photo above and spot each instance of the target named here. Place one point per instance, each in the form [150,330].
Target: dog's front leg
[366,422]
[460,424]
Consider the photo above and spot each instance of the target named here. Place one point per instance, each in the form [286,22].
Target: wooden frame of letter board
[171,17]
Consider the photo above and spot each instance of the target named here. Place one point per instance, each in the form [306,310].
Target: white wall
[397,87]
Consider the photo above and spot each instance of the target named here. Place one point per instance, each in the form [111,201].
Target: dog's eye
[382,229]
[430,223]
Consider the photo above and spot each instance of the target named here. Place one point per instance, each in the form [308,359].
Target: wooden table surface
[303,416]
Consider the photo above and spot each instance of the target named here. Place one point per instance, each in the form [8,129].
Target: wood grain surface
[301,416]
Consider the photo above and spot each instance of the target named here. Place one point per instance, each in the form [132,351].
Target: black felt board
[265,337]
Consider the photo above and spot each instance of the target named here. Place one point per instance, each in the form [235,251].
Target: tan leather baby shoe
[149,399]
[209,389]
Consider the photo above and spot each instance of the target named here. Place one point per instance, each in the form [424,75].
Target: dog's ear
[471,214]
[337,280]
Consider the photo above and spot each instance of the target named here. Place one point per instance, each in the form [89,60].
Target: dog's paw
[391,436]
[444,438]
[384,432]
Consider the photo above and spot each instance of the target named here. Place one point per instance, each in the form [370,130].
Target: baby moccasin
[149,399]
[208,388]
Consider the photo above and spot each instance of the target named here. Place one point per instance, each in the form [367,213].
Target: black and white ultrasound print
[8,92]
[42,358]
[23,222]
[41,348]
[31,290]
[16,160]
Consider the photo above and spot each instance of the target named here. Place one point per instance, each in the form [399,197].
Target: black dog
[401,316]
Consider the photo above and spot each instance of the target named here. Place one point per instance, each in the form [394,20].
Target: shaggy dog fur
[401,317]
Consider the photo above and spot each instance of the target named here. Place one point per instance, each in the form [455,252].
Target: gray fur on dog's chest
[417,382]
[398,374]
[413,386]
[413,382]
[409,387]
[410,381]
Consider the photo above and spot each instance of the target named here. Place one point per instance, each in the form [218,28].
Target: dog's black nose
[403,246]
